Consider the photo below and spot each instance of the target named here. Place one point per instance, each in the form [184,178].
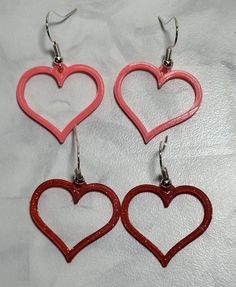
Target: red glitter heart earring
[77,189]
[166,192]
[162,74]
[59,72]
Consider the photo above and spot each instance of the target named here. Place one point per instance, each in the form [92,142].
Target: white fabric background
[202,151]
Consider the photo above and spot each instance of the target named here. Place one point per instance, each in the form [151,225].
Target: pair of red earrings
[78,188]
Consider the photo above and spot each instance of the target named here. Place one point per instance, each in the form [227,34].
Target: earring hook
[78,178]
[165,176]
[58,59]
[167,59]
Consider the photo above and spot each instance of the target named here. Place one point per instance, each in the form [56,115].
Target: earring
[166,192]
[77,189]
[162,74]
[59,72]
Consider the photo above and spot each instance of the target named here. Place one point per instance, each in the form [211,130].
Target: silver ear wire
[165,176]
[167,59]
[78,178]
[58,59]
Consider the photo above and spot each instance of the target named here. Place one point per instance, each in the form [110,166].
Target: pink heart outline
[162,75]
[60,75]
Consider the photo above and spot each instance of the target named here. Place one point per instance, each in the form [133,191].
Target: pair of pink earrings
[60,72]
[166,191]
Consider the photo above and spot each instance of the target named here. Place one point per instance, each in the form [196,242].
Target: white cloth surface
[108,35]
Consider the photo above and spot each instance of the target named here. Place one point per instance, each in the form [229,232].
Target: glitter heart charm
[166,194]
[162,75]
[77,191]
[60,74]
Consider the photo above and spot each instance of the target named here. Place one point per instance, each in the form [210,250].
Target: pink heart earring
[166,192]
[162,74]
[77,189]
[59,72]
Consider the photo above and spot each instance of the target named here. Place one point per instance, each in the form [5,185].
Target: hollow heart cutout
[77,192]
[60,75]
[162,75]
[166,195]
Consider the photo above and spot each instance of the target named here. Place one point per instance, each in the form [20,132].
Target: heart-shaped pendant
[77,191]
[60,74]
[166,194]
[162,75]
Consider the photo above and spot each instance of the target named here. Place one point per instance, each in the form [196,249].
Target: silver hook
[58,59]
[167,60]
[165,176]
[78,178]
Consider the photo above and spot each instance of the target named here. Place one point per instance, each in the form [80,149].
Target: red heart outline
[162,75]
[166,195]
[60,74]
[77,192]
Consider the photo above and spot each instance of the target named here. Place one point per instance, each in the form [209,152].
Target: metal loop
[58,59]
[78,178]
[64,18]
[165,176]
[167,59]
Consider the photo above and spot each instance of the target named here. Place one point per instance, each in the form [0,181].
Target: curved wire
[162,23]
[64,17]
[78,174]
[164,170]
